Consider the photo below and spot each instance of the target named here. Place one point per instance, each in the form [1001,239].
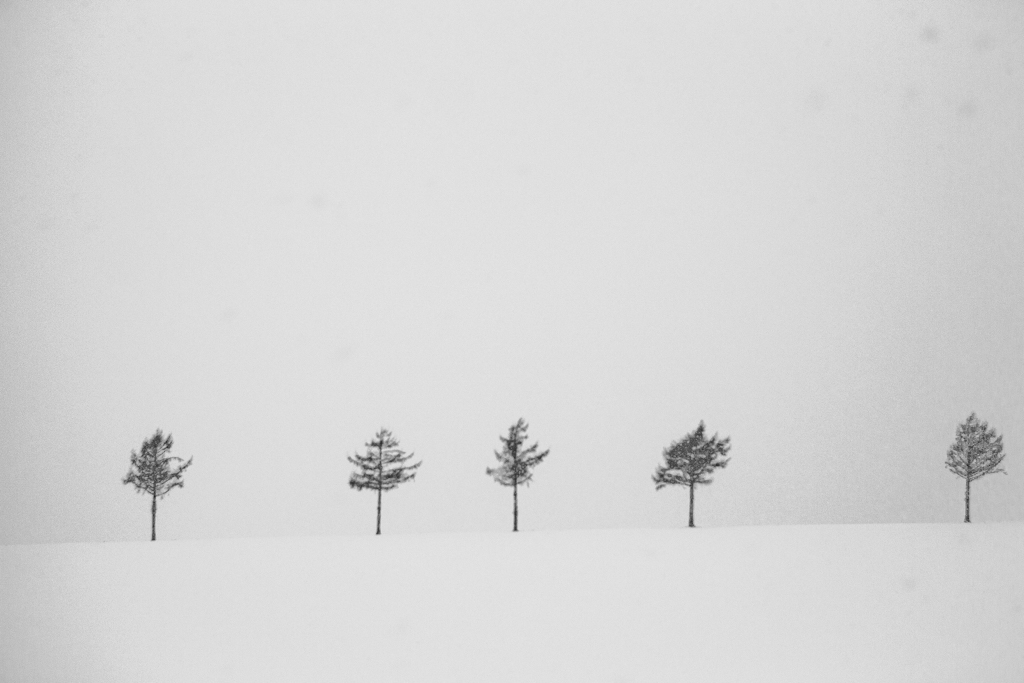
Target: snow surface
[815,603]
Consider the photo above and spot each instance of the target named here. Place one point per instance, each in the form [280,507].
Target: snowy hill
[815,603]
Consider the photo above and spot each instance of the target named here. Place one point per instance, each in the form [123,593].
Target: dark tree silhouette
[517,464]
[691,460]
[977,451]
[382,468]
[155,472]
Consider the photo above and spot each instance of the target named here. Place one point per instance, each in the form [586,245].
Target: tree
[382,468]
[517,464]
[155,472]
[977,451]
[691,460]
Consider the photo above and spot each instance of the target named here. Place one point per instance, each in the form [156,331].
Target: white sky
[270,229]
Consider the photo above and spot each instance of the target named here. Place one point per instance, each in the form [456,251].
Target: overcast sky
[271,228]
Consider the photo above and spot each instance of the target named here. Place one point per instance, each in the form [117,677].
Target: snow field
[814,603]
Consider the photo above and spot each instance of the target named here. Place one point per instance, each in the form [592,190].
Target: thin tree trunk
[153,526]
[515,506]
[691,505]
[378,511]
[380,480]
[967,501]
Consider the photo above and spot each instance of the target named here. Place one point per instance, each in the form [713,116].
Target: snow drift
[816,603]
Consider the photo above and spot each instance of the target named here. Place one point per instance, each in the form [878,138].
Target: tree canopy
[383,467]
[516,463]
[155,472]
[977,451]
[691,460]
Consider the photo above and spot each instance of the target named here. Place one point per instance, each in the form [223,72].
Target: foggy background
[270,229]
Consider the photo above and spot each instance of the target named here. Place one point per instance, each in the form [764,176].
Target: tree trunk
[967,502]
[378,511]
[691,505]
[515,506]
[380,481]
[153,525]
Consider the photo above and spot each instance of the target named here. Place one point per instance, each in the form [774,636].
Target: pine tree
[691,460]
[977,451]
[382,468]
[517,464]
[155,472]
